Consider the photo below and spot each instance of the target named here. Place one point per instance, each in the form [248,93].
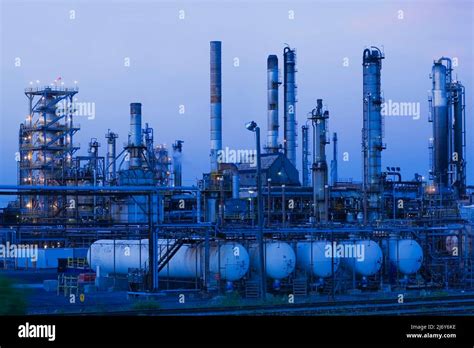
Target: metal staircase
[169,253]
[252,289]
[300,287]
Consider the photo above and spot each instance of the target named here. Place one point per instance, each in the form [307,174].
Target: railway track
[445,305]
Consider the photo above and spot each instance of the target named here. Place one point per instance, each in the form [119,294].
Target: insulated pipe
[334,160]
[216,104]
[305,155]
[290,104]
[272,97]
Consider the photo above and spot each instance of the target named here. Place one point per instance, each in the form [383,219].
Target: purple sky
[170,67]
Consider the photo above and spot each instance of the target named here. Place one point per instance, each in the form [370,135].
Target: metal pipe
[216,104]
[272,108]
[372,130]
[290,104]
[99,189]
[283,206]
[260,218]
[334,160]
[305,155]
[198,207]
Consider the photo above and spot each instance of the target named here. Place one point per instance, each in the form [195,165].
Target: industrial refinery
[114,217]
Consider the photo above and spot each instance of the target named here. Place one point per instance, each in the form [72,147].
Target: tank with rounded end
[126,254]
[229,260]
[369,261]
[312,257]
[280,259]
[406,255]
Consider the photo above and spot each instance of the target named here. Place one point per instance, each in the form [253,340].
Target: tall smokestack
[272,97]
[334,160]
[177,170]
[216,104]
[111,164]
[372,131]
[290,104]
[135,140]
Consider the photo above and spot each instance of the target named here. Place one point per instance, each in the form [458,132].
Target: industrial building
[257,226]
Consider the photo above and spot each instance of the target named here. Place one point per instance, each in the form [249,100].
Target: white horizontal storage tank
[231,260]
[126,254]
[406,255]
[369,261]
[280,259]
[312,257]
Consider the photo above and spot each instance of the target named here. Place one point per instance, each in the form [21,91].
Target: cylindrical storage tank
[126,254]
[406,255]
[230,260]
[368,260]
[186,263]
[314,257]
[280,259]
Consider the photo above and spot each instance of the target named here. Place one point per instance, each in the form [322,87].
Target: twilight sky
[169,67]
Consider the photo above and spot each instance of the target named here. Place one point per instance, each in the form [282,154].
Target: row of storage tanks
[232,261]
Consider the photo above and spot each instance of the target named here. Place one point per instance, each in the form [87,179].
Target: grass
[231,299]
[12,301]
[147,304]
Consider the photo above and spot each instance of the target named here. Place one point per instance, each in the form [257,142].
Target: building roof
[274,166]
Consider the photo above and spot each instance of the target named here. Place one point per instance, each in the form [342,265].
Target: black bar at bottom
[286,330]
